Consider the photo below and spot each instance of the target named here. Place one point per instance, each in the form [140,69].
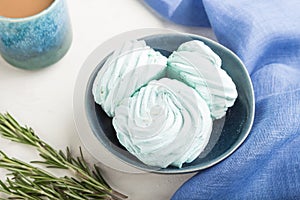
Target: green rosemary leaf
[33,183]
[3,187]
[62,154]
[98,176]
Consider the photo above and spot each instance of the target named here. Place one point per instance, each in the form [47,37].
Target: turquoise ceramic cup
[37,41]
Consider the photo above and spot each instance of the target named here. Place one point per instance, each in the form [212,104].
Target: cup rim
[28,18]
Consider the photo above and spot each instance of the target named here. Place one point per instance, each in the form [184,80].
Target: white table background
[43,99]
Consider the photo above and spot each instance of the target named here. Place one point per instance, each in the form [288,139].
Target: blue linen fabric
[266,36]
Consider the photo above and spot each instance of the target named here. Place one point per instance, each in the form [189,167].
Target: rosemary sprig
[27,181]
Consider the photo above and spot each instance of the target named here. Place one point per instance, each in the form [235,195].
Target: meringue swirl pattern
[195,64]
[165,123]
[125,71]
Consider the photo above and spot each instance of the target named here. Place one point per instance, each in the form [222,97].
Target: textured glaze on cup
[37,41]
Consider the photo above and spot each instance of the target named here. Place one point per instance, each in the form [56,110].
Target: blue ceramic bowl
[37,41]
[228,132]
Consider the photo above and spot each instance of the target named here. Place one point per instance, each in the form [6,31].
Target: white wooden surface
[43,99]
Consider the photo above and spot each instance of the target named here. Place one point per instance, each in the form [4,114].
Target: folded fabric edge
[188,13]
